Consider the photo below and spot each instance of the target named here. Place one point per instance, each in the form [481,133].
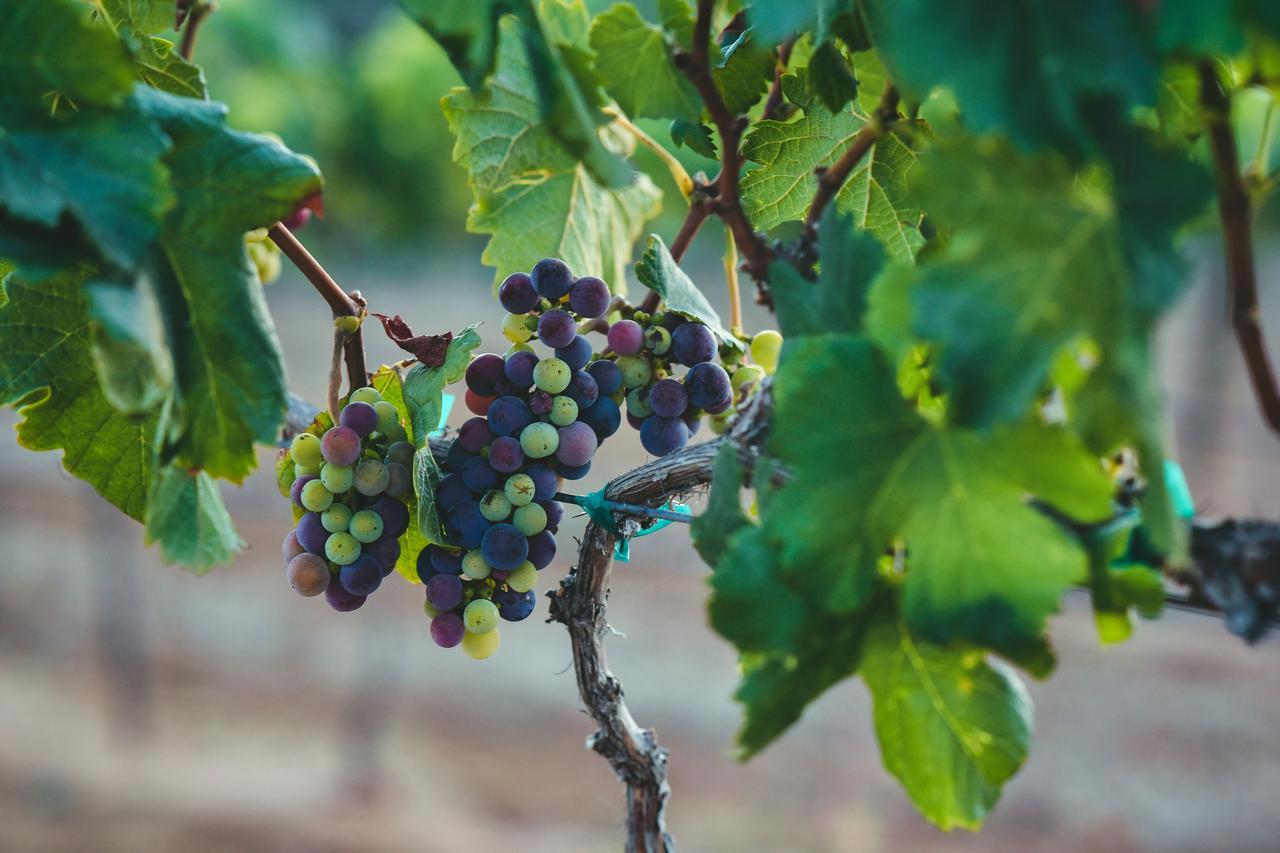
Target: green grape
[564,411]
[400,452]
[397,434]
[524,578]
[747,374]
[342,548]
[720,422]
[266,260]
[305,450]
[530,519]
[336,518]
[519,489]
[552,375]
[371,478]
[515,328]
[638,403]
[539,440]
[304,471]
[635,371]
[388,417]
[480,616]
[316,497]
[429,610]
[481,646]
[366,526]
[366,395]
[765,347]
[495,506]
[336,478]
[515,348]
[474,566]
[657,339]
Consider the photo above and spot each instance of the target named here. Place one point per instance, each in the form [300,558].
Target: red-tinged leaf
[428,349]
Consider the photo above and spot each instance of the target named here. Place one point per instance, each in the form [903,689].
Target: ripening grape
[365,395]
[638,403]
[476,404]
[747,374]
[556,328]
[388,418]
[366,526]
[444,561]
[635,371]
[552,375]
[481,646]
[509,415]
[494,506]
[340,446]
[399,480]
[447,629]
[504,547]
[657,339]
[337,478]
[583,389]
[530,519]
[474,566]
[505,454]
[341,600]
[480,616]
[451,492]
[667,398]
[551,278]
[589,296]
[311,533]
[363,577]
[542,549]
[563,411]
[539,440]
[607,376]
[291,547]
[517,293]
[519,368]
[625,337]
[342,548]
[604,417]
[515,330]
[444,591]
[316,497]
[401,453]
[305,450]
[577,444]
[396,433]
[371,478]
[474,435]
[514,606]
[295,491]
[395,516]
[540,403]
[661,436]
[555,513]
[478,474]
[693,343]
[524,578]
[308,574]
[765,349]
[360,417]
[574,472]
[336,518]
[544,480]
[483,374]
[519,490]
[576,353]
[709,387]
[466,525]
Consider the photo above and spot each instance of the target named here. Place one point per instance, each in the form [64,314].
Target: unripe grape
[564,411]
[308,574]
[316,497]
[481,646]
[371,478]
[747,374]
[388,417]
[520,489]
[495,506]
[474,566]
[304,470]
[523,578]
[401,453]
[305,450]
[514,328]
[366,526]
[399,480]
[638,403]
[539,440]
[625,337]
[361,417]
[635,371]
[480,616]
[340,446]
[396,434]
[657,339]
[336,518]
[552,375]
[365,395]
[530,519]
[337,478]
[295,491]
[342,548]
[766,346]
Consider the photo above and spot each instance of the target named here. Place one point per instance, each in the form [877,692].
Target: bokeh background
[145,709]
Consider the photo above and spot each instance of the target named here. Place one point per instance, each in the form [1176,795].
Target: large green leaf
[157,61]
[744,71]
[467,30]
[777,20]
[657,270]
[952,727]
[186,515]
[837,302]
[633,60]
[723,516]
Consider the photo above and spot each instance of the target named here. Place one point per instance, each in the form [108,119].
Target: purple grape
[556,328]
[451,492]
[583,390]
[395,516]
[291,547]
[514,606]
[517,293]
[363,577]
[555,514]
[360,417]
[476,403]
[519,369]
[308,574]
[340,446]
[505,455]
[474,435]
[604,417]
[311,533]
[544,481]
[708,387]
[589,296]
[578,444]
[661,436]
[576,353]
[693,420]
[386,551]
[635,422]
[574,472]
[504,387]
[542,548]
[668,398]
[295,491]
[693,343]
[508,415]
[504,547]
[499,576]
[607,376]
[341,600]
[478,475]
[540,403]
[626,337]
[444,561]
[483,373]
[447,630]
[444,591]
[457,457]
[673,321]
[426,571]
[552,278]
[466,526]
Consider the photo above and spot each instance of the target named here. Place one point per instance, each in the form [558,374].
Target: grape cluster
[350,485]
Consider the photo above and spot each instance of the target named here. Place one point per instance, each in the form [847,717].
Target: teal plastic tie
[446,406]
[596,506]
[1179,491]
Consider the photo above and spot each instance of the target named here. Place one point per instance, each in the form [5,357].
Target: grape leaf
[695,136]
[156,62]
[186,515]
[658,271]
[952,728]
[744,71]
[134,364]
[424,386]
[851,259]
[143,16]
[723,516]
[634,61]
[830,77]
[875,192]
[777,20]
[468,31]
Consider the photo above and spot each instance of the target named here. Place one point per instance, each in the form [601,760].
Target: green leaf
[142,16]
[660,273]
[695,136]
[777,20]
[424,386]
[633,59]
[723,515]
[837,302]
[134,364]
[156,61]
[952,728]
[185,514]
[468,31]
[744,72]
[830,78]
[875,193]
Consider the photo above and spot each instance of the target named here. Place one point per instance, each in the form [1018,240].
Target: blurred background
[145,709]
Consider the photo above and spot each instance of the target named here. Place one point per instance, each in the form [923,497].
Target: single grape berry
[336,518]
[366,526]
[589,296]
[574,472]
[577,444]
[295,491]
[519,368]
[657,339]
[447,630]
[524,578]
[401,453]
[363,577]
[481,646]
[542,550]
[340,446]
[638,403]
[479,475]
[693,343]
[451,491]
[474,566]
[495,506]
[603,417]
[766,346]
[360,417]
[342,548]
[337,478]
[552,375]
[519,490]
[540,403]
[365,395]
[291,547]
[539,440]
[530,519]
[483,374]
[509,415]
[517,293]
[341,600]
[544,481]
[480,616]
[661,436]
[626,337]
[466,525]
[444,561]
[563,411]
[504,547]
[746,376]
[474,435]
[387,552]
[555,513]
[514,328]
[505,454]
[316,497]
[576,353]
[583,389]
[388,419]
[395,516]
[308,574]
[636,371]
[709,387]
[667,398]
[399,480]
[556,328]
[305,450]
[476,404]
[371,478]
[607,376]
[552,278]
[515,606]
[311,533]
[444,592]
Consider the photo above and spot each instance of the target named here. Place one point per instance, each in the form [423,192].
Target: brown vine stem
[832,178]
[195,17]
[1242,276]
[340,303]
